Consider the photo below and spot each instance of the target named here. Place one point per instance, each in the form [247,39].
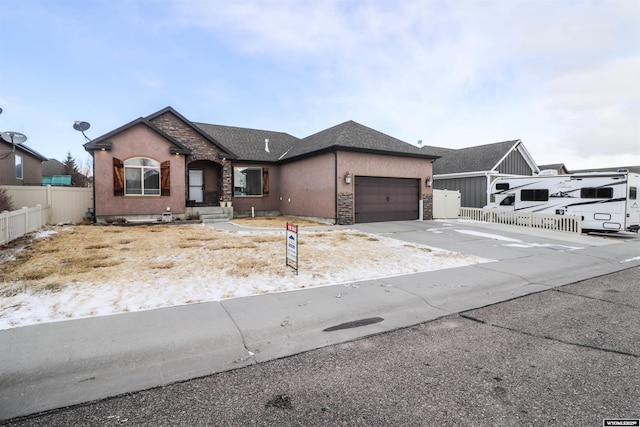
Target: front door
[196,185]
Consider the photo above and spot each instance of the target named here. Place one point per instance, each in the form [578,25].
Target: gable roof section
[352,136]
[103,143]
[480,158]
[229,154]
[249,144]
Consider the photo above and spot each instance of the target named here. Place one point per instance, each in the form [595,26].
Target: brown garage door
[386,199]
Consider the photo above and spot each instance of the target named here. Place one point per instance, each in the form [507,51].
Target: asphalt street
[547,333]
[561,357]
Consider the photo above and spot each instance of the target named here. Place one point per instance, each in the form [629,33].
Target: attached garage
[386,199]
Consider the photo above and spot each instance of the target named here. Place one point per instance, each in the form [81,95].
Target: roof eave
[338,147]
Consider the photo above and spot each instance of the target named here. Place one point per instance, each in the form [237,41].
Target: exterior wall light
[347,178]
[428,181]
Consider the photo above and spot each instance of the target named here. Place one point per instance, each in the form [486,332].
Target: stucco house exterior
[20,166]
[471,170]
[345,174]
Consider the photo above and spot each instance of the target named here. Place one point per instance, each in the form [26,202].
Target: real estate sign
[292,246]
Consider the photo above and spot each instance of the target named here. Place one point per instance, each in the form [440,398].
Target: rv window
[596,193]
[502,186]
[633,193]
[508,201]
[534,195]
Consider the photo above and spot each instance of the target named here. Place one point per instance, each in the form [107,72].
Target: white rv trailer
[606,201]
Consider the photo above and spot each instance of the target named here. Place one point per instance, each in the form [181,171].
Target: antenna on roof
[266,145]
[81,127]
[419,143]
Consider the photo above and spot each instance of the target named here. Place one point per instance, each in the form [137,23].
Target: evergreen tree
[71,168]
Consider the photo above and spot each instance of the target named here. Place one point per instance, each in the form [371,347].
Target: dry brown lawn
[275,222]
[99,254]
[80,271]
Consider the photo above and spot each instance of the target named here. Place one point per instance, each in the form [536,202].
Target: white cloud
[450,73]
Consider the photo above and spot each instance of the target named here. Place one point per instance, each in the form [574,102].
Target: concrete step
[208,209]
[217,217]
[211,214]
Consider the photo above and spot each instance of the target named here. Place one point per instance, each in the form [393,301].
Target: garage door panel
[386,199]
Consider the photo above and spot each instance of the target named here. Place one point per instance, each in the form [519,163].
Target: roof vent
[266,145]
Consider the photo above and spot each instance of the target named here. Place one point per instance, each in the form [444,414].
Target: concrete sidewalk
[59,364]
[567,356]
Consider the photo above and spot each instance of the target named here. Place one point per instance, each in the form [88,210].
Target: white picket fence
[16,224]
[571,224]
[67,204]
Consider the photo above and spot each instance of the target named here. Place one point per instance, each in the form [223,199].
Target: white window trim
[21,177]
[142,168]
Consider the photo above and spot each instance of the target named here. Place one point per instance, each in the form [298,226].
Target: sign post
[292,246]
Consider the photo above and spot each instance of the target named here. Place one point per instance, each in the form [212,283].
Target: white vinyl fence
[68,204]
[16,224]
[572,224]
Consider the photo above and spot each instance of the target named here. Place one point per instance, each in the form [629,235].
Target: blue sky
[562,76]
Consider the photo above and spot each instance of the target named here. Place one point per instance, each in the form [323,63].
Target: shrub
[6,204]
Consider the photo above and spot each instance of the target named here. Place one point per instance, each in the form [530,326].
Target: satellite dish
[15,138]
[81,126]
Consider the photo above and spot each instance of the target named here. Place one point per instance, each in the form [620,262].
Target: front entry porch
[204,183]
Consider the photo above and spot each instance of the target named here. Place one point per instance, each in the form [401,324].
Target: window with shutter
[141,177]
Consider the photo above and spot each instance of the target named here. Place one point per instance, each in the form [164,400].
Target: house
[471,170]
[345,174]
[19,164]
[54,173]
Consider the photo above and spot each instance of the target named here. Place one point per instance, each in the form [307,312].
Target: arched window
[142,177]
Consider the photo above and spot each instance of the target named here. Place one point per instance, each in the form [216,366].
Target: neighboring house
[22,166]
[558,168]
[56,173]
[471,170]
[53,173]
[345,174]
[53,167]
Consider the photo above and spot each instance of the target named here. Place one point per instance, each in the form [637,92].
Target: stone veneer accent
[201,149]
[427,207]
[345,209]
[227,181]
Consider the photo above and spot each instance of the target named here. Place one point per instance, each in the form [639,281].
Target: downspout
[93,167]
[335,161]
